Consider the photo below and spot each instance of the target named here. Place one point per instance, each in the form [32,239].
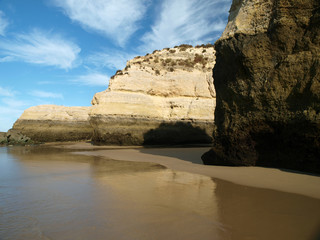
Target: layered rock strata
[267,79]
[50,123]
[166,97]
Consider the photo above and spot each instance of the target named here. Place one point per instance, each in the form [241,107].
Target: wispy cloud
[8,116]
[39,47]
[5,92]
[14,103]
[6,59]
[110,59]
[187,21]
[47,82]
[44,94]
[92,79]
[11,108]
[3,23]
[116,19]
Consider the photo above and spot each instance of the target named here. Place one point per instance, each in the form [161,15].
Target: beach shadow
[299,172]
[189,154]
[176,133]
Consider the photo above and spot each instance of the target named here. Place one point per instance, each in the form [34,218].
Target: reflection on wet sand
[53,194]
[253,213]
[163,205]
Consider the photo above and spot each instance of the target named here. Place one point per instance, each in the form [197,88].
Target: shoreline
[187,159]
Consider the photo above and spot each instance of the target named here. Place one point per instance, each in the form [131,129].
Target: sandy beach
[189,160]
[79,191]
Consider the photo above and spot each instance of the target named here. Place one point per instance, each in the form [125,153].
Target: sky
[64,51]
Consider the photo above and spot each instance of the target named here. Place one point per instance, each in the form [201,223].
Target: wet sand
[189,160]
[75,191]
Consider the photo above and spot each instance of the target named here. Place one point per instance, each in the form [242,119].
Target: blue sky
[64,51]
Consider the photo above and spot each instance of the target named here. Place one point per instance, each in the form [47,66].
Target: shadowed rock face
[267,81]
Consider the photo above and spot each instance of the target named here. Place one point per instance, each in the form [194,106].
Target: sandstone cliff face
[267,78]
[163,97]
[49,123]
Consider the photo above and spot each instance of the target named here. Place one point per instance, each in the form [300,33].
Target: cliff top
[182,71]
[54,112]
[248,16]
[184,57]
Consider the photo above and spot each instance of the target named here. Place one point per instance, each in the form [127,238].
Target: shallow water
[52,194]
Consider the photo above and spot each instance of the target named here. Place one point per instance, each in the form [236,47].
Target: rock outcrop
[267,79]
[50,123]
[13,137]
[166,97]
[161,98]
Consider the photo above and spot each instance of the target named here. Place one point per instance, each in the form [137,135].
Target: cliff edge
[267,81]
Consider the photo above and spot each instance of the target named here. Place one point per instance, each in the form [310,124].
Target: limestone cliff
[166,97]
[49,123]
[163,97]
[267,79]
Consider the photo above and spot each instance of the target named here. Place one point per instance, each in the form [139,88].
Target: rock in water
[267,79]
[50,123]
[166,97]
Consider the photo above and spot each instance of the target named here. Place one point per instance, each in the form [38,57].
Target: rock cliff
[49,123]
[267,79]
[166,97]
[161,98]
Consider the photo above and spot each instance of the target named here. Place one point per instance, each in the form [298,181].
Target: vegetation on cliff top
[170,64]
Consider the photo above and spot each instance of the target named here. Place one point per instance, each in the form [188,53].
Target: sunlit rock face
[49,123]
[267,80]
[164,97]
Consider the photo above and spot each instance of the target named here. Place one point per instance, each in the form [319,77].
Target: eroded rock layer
[161,98]
[50,123]
[267,79]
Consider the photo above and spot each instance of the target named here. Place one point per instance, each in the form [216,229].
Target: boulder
[14,137]
[267,82]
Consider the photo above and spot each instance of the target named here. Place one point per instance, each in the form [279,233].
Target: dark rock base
[54,131]
[14,137]
[140,131]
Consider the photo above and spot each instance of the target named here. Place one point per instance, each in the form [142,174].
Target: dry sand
[188,160]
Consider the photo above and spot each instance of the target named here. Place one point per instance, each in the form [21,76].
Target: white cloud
[42,48]
[92,79]
[3,23]
[44,94]
[47,82]
[14,103]
[8,116]
[187,21]
[6,59]
[110,59]
[10,108]
[6,92]
[116,19]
